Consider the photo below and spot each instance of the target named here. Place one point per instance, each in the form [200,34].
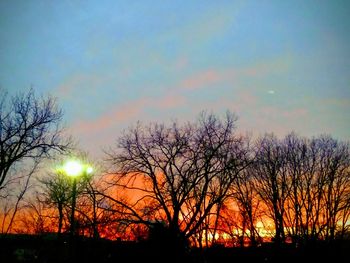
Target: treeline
[208,184]
[198,183]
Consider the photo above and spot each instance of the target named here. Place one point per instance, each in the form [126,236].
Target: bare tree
[36,217]
[12,203]
[305,185]
[95,213]
[296,154]
[334,168]
[271,181]
[57,193]
[345,214]
[246,198]
[29,129]
[323,187]
[29,133]
[178,174]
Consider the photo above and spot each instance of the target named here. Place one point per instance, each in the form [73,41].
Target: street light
[75,169]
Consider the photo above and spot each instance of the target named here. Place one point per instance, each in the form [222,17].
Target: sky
[281,66]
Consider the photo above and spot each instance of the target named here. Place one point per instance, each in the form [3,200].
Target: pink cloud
[171,101]
[119,114]
[104,130]
[201,79]
[126,112]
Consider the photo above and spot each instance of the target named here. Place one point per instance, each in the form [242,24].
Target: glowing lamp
[73,168]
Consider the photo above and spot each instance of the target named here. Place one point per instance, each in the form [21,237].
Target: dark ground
[26,248]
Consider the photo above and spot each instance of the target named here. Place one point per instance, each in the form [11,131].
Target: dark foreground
[24,248]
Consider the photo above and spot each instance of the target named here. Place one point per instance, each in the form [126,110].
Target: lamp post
[75,169]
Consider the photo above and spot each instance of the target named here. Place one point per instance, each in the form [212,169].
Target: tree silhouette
[57,193]
[29,133]
[29,129]
[200,184]
[178,173]
[246,197]
[271,181]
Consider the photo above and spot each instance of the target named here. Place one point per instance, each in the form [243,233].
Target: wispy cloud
[104,129]
[235,75]
[171,101]
[202,79]
[115,116]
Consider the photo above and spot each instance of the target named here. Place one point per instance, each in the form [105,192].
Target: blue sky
[280,65]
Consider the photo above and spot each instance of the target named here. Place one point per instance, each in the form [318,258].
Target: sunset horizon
[174,131]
